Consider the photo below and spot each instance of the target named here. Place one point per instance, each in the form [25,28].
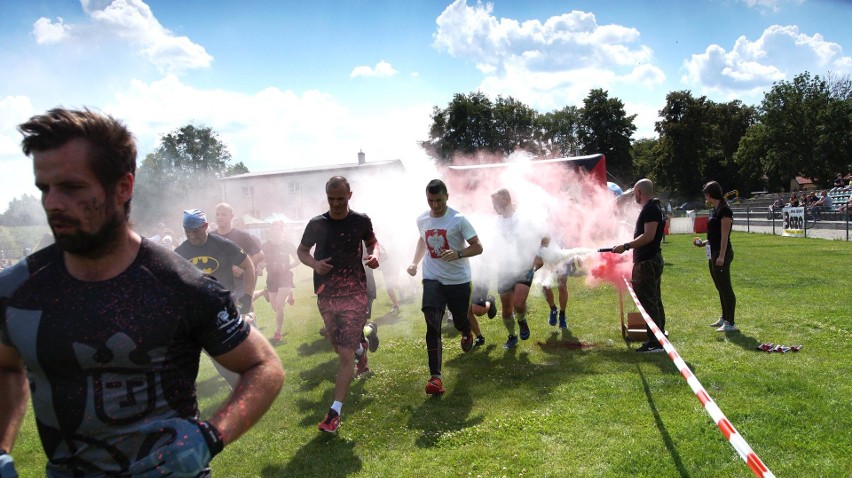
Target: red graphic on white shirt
[436,242]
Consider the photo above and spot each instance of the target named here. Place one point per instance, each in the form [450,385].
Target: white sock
[336,406]
[360,350]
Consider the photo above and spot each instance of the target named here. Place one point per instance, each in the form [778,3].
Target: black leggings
[436,297]
[722,279]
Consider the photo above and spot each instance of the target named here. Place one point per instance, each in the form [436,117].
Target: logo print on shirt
[207,264]
[436,242]
[123,385]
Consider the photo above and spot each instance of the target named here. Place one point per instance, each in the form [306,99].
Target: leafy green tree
[23,211]
[556,132]
[606,128]
[465,126]
[514,126]
[684,136]
[805,129]
[645,153]
[186,164]
[753,157]
[728,124]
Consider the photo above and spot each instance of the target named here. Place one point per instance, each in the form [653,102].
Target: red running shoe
[434,386]
[361,366]
[330,423]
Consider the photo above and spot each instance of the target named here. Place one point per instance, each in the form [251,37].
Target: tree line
[802,127]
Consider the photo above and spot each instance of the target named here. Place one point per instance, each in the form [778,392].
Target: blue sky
[293,83]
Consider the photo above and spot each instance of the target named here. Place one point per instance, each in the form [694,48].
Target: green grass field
[548,410]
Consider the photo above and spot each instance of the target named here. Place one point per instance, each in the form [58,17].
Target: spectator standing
[720,254]
[110,308]
[447,240]
[648,259]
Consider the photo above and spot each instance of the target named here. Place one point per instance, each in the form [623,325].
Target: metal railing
[760,223]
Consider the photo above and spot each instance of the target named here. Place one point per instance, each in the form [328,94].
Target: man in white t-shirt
[449,239]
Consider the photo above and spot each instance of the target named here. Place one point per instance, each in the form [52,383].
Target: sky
[291,84]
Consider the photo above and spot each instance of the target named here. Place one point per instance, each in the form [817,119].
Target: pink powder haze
[579,214]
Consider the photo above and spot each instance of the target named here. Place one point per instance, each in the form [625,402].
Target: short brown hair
[112,145]
[336,181]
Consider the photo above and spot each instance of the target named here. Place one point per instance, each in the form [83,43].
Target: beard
[90,244]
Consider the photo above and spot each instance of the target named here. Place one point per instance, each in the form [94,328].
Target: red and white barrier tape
[734,438]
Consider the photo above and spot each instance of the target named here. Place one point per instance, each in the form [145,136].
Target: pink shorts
[344,319]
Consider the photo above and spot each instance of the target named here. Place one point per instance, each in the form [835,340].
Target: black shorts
[278,279]
[454,297]
[506,282]
[479,296]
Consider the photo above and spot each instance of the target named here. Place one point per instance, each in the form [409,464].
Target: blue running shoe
[525,329]
[511,343]
[553,314]
[563,321]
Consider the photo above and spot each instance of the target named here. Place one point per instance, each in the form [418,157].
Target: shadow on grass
[357,399]
[563,340]
[388,319]
[322,372]
[319,345]
[440,415]
[664,433]
[744,341]
[326,456]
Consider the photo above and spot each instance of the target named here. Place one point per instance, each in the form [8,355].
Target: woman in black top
[720,254]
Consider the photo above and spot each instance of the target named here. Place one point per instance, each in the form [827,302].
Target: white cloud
[559,43]
[47,32]
[751,67]
[546,64]
[133,22]
[382,69]
[770,5]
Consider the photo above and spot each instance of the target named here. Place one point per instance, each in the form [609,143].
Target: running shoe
[553,314]
[511,343]
[467,342]
[371,332]
[648,347]
[563,321]
[330,423]
[728,327]
[479,342]
[276,339]
[434,386]
[718,323]
[394,309]
[361,365]
[492,308]
[525,329]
